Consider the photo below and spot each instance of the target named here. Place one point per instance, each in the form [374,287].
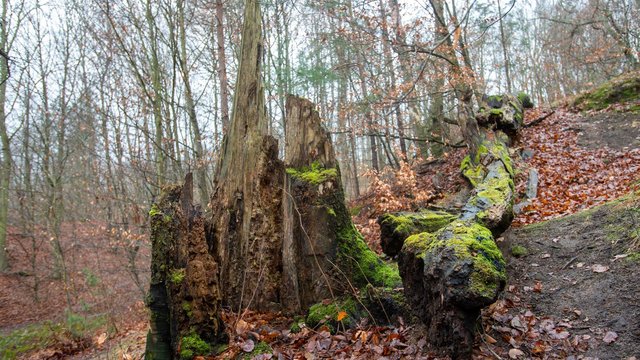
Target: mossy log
[185,296]
[452,272]
[395,228]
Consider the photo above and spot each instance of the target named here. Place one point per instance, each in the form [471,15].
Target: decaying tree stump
[324,256]
[246,221]
[185,296]
[278,238]
[450,265]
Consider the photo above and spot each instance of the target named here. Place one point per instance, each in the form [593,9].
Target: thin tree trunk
[222,66]
[5,166]
[200,164]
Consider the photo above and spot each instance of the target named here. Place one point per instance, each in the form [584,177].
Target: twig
[540,119]
[569,262]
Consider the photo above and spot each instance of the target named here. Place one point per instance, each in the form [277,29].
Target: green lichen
[361,263]
[407,224]
[519,251]
[316,174]
[193,345]
[177,276]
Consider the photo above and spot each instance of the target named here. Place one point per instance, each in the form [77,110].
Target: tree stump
[453,269]
[324,256]
[185,296]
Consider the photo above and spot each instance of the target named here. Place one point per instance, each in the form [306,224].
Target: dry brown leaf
[516,353]
[610,337]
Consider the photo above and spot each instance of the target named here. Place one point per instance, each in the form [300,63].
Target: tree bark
[185,296]
[222,66]
[247,195]
[5,165]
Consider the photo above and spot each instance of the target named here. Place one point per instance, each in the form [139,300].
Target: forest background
[104,101]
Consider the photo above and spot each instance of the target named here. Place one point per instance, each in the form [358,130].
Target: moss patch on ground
[622,89]
[327,313]
[24,340]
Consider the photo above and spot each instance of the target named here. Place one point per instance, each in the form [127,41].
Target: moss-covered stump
[184,297]
[395,228]
[324,256]
[504,112]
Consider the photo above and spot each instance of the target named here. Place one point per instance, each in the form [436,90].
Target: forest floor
[572,289]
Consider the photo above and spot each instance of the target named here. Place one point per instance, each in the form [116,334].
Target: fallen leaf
[101,339]
[248,346]
[241,327]
[537,287]
[610,337]
[515,353]
[489,339]
[597,268]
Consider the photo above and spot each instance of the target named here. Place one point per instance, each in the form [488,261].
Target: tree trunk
[247,195]
[5,164]
[184,296]
[322,251]
[450,265]
[222,67]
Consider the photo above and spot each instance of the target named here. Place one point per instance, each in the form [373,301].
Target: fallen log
[452,271]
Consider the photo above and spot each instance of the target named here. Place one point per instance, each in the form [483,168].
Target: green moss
[320,313]
[633,257]
[177,276]
[525,100]
[361,263]
[331,211]
[260,348]
[619,90]
[186,307]
[193,345]
[154,210]
[296,325]
[355,211]
[419,243]
[469,242]
[413,223]
[20,342]
[316,174]
[496,112]
[519,251]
